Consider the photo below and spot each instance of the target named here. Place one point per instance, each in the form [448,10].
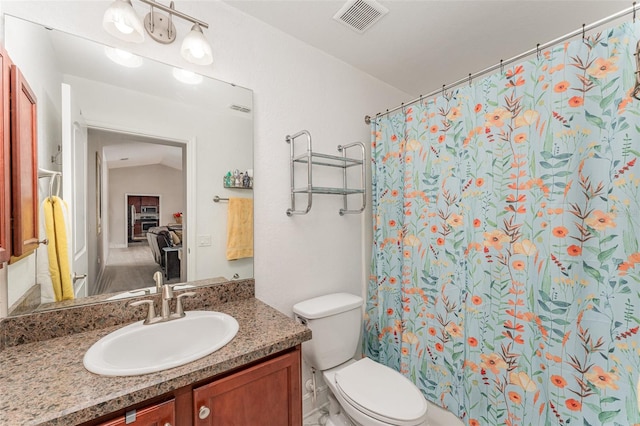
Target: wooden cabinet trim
[5,158]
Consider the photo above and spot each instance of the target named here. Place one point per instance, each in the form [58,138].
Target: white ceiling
[422,44]
[123,150]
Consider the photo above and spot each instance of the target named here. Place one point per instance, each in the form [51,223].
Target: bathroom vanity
[266,390]
[254,377]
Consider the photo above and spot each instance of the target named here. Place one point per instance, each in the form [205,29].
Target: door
[24,166]
[267,393]
[156,415]
[74,188]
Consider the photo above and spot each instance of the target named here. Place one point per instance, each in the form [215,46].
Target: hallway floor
[129,268]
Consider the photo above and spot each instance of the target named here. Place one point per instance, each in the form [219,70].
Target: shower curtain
[505,275]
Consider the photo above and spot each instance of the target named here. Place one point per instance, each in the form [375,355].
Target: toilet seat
[381,393]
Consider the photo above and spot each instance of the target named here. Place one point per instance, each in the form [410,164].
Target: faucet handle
[179,309]
[167,292]
[151,312]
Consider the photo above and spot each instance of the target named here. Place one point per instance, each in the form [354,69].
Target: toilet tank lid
[330,304]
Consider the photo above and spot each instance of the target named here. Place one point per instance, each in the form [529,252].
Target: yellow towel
[240,228]
[57,249]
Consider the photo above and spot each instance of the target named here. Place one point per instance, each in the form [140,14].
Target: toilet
[366,392]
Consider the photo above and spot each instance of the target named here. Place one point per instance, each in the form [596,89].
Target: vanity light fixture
[121,21]
[195,48]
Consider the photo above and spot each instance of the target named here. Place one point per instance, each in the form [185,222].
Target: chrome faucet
[157,277]
[166,296]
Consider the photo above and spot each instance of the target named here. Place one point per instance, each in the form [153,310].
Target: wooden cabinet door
[266,394]
[155,415]
[5,158]
[24,166]
[148,200]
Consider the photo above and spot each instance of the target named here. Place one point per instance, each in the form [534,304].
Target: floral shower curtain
[506,265]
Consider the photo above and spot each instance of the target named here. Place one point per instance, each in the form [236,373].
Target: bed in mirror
[142,148]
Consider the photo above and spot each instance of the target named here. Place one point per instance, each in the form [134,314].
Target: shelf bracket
[292,211]
[343,150]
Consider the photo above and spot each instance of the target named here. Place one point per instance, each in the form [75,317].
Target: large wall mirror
[142,147]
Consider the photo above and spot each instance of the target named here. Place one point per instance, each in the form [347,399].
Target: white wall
[156,179]
[295,87]
[45,83]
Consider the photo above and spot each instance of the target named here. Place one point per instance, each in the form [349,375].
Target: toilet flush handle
[204,412]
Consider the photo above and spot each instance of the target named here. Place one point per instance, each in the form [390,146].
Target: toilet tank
[335,321]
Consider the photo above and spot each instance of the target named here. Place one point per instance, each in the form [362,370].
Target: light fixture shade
[195,47]
[121,21]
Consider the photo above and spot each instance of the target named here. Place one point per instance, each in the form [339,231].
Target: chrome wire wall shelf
[342,162]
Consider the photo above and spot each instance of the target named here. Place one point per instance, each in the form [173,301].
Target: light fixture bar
[177,13]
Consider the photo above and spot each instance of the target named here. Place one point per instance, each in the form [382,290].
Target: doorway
[144,187]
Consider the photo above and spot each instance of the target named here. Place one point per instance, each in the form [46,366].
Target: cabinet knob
[204,412]
[167,424]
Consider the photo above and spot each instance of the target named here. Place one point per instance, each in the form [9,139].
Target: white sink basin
[140,349]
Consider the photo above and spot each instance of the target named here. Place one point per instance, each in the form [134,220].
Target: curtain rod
[502,63]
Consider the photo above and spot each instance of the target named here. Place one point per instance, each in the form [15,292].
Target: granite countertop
[45,383]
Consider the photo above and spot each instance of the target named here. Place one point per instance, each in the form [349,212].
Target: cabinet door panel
[265,394]
[5,158]
[156,415]
[148,200]
[24,166]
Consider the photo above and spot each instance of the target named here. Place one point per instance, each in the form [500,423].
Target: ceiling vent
[360,15]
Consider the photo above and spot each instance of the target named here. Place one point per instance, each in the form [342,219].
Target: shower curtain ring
[469,79]
[501,67]
[538,50]
[634,12]
[583,25]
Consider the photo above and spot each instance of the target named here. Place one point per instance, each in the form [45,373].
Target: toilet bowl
[369,393]
[372,394]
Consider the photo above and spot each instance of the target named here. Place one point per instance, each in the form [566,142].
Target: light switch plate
[204,240]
